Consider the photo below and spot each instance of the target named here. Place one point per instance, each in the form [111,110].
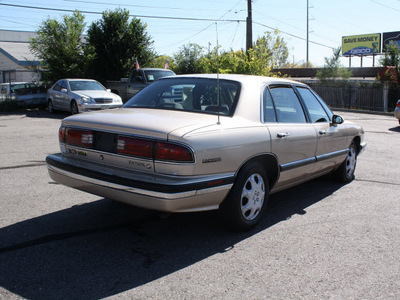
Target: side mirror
[108,90]
[64,91]
[336,120]
[138,78]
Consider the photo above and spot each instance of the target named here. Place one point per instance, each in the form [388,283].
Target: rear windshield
[189,94]
[152,75]
[25,89]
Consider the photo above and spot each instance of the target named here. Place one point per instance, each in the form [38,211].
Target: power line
[134,16]
[295,36]
[133,5]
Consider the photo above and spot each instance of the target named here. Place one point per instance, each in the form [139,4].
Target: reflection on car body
[193,143]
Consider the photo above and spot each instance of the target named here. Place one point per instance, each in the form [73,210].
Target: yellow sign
[365,44]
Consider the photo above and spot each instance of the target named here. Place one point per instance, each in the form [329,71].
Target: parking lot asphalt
[319,240]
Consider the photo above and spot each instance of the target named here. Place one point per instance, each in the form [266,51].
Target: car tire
[245,204]
[74,108]
[50,107]
[345,173]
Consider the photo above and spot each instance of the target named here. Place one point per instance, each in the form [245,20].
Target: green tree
[115,43]
[189,59]
[60,48]
[269,51]
[392,60]
[333,72]
[159,62]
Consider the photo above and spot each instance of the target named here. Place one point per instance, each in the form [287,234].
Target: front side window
[314,107]
[189,94]
[287,105]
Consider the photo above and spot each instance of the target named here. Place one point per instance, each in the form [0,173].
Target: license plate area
[104,141]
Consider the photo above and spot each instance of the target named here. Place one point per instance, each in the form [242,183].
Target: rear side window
[269,109]
[287,105]
[315,110]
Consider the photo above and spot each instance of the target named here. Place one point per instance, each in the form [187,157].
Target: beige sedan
[206,142]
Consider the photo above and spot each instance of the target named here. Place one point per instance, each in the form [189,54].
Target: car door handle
[283,134]
[322,132]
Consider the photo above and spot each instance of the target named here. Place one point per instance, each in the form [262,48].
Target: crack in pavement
[377,181]
[68,235]
[23,166]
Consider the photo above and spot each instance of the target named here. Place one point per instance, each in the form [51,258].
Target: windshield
[84,85]
[152,75]
[189,94]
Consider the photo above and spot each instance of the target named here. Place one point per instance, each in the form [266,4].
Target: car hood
[144,122]
[95,94]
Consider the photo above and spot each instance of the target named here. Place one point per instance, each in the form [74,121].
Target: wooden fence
[355,97]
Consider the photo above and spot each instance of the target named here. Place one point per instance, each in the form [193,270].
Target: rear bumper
[157,192]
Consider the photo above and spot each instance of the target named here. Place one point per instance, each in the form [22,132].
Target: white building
[17,63]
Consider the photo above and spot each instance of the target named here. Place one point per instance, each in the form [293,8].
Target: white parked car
[219,143]
[79,95]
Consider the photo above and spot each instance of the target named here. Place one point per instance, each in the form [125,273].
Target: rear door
[293,138]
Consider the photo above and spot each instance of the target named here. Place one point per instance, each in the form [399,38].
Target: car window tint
[190,94]
[136,76]
[287,105]
[269,110]
[57,86]
[315,109]
[64,84]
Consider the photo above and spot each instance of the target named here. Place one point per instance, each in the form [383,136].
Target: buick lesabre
[205,142]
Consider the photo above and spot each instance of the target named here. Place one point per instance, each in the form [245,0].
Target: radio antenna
[218,100]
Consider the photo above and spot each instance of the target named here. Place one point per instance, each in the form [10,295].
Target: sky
[172,24]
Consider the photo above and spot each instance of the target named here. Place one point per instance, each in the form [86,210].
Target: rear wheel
[74,108]
[345,173]
[246,202]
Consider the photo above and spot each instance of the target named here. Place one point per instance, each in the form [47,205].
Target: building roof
[18,52]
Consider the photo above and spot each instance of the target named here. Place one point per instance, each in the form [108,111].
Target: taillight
[135,147]
[172,152]
[154,150]
[398,104]
[78,137]
[61,134]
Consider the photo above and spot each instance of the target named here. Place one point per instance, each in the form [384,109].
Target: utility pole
[307,34]
[249,29]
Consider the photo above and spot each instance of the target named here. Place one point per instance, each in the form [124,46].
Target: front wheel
[246,202]
[345,173]
[74,108]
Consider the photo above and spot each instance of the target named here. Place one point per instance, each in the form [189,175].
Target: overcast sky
[174,23]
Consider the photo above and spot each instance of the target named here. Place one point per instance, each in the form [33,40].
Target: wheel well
[357,140]
[270,163]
